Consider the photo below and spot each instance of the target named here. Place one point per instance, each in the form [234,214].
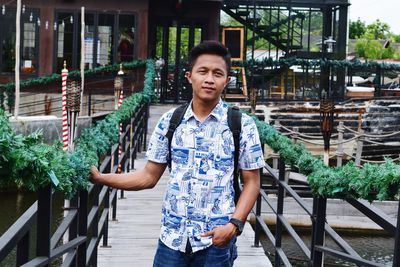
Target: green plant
[27,162]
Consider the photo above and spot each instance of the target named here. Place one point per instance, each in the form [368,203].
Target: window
[28,46]
[65,37]
[109,38]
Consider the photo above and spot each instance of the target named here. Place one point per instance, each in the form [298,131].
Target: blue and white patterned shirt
[200,193]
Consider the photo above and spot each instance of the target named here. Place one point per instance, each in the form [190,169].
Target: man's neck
[203,109]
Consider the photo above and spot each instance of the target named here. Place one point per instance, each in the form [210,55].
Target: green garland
[27,162]
[293,61]
[9,88]
[371,182]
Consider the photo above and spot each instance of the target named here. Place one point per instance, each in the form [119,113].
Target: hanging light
[3,9]
[23,9]
[31,17]
[55,26]
[329,42]
[63,24]
[71,19]
[46,25]
[38,21]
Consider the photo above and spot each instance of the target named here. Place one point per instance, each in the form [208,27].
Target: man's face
[208,77]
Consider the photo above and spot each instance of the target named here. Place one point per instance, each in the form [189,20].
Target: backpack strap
[174,122]
[235,125]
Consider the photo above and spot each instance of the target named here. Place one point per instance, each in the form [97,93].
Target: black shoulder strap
[173,124]
[235,125]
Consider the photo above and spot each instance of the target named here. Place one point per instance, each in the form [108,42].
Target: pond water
[13,205]
[378,248]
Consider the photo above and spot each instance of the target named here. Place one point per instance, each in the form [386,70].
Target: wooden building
[114,31]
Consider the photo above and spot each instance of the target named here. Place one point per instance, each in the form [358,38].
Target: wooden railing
[86,221]
[275,195]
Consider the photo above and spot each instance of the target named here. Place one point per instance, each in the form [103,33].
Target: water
[13,205]
[377,248]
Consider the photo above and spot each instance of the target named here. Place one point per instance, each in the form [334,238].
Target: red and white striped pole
[64,76]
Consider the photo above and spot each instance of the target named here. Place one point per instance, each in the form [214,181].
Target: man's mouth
[208,88]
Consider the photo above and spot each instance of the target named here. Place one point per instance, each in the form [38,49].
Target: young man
[199,218]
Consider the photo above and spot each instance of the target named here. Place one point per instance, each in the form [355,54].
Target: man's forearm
[251,189]
[126,181]
[138,180]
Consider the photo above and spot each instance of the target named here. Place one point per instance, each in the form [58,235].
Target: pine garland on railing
[293,61]
[27,162]
[371,182]
[24,161]
[9,88]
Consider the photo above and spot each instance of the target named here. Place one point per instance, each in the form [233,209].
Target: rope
[370,161]
[371,135]
[304,135]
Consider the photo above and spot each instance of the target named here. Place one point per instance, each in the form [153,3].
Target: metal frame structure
[286,31]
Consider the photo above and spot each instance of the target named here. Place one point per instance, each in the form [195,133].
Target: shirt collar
[217,112]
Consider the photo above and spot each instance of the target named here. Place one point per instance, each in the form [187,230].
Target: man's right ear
[188,75]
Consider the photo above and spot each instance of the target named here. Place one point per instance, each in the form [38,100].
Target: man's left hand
[222,235]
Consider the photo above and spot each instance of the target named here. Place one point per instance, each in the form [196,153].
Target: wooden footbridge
[108,228]
[133,237]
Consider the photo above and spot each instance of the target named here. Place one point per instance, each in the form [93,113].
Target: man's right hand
[94,174]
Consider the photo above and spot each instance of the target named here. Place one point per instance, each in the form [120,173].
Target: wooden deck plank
[134,235]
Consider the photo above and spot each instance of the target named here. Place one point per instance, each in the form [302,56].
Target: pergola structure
[305,29]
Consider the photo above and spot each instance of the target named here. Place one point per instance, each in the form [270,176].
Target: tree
[357,29]
[378,30]
[373,49]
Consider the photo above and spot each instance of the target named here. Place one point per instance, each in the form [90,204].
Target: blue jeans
[210,257]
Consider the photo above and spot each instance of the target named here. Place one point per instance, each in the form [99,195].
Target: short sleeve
[251,154]
[158,145]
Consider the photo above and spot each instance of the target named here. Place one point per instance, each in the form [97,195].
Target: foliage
[396,38]
[373,49]
[27,162]
[315,63]
[357,29]
[372,181]
[378,30]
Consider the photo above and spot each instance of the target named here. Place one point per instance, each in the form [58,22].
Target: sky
[370,10]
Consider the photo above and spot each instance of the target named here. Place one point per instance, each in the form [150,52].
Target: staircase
[281,27]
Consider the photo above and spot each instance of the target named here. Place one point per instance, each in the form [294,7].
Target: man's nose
[209,77]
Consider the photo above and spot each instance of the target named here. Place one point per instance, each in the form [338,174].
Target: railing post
[295,134]
[95,223]
[74,227]
[105,227]
[146,121]
[279,212]
[43,234]
[258,214]
[339,151]
[90,103]
[23,250]
[317,257]
[131,144]
[396,256]
[82,227]
[360,140]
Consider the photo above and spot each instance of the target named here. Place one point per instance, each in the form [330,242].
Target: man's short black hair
[210,47]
